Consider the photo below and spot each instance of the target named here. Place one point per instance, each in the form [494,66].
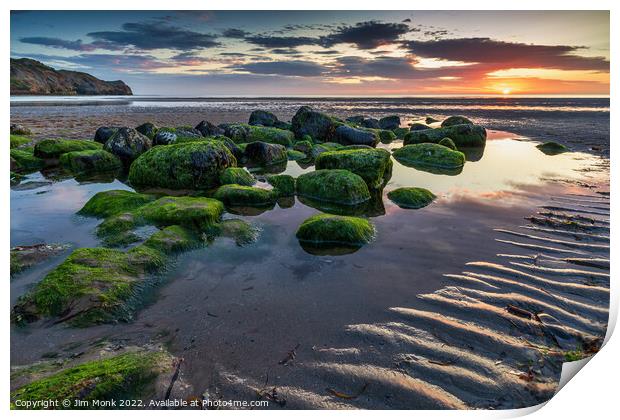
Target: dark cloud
[156,35]
[284,51]
[269,41]
[58,43]
[283,68]
[188,59]
[366,35]
[122,63]
[234,54]
[234,33]
[506,55]
[327,52]
[388,67]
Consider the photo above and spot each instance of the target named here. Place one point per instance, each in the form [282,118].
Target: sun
[506,91]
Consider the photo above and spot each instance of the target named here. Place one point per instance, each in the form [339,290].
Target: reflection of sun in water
[506,91]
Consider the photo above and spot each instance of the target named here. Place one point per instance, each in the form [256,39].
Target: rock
[108,203]
[552,148]
[373,165]
[52,149]
[208,129]
[411,197]
[104,133]
[245,133]
[400,132]
[357,119]
[193,166]
[20,130]
[329,229]
[283,185]
[90,161]
[241,231]
[230,145]
[173,239]
[386,136]
[296,155]
[429,154]
[239,176]
[419,126]
[389,123]
[18,141]
[456,120]
[304,147]
[349,135]
[239,195]
[167,135]
[23,160]
[127,144]
[138,374]
[315,124]
[333,185]
[198,213]
[317,149]
[430,120]
[164,137]
[463,135]
[23,257]
[264,118]
[447,142]
[265,154]
[148,129]
[92,286]
[370,123]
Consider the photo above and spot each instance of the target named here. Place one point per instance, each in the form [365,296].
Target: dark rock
[430,120]
[455,120]
[104,133]
[370,123]
[20,130]
[389,123]
[418,126]
[264,118]
[209,129]
[262,154]
[148,129]
[315,124]
[357,119]
[127,144]
[349,135]
[463,135]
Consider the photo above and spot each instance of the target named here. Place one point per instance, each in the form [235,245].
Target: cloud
[366,35]
[58,43]
[284,68]
[505,55]
[188,59]
[269,41]
[156,35]
[386,67]
[122,63]
[234,33]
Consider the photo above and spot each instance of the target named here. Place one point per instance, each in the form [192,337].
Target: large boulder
[373,165]
[329,229]
[370,123]
[127,144]
[245,133]
[349,135]
[315,124]
[194,165]
[88,161]
[164,137]
[418,127]
[389,123]
[265,154]
[333,185]
[20,130]
[356,119]
[430,155]
[52,149]
[242,195]
[169,135]
[104,133]
[239,176]
[209,129]
[456,120]
[266,119]
[148,129]
[463,135]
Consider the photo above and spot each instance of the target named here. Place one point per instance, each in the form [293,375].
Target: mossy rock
[418,127]
[400,132]
[131,375]
[447,142]
[552,148]
[52,149]
[329,229]
[117,230]
[373,165]
[19,129]
[23,160]
[108,203]
[246,133]
[317,125]
[93,285]
[239,176]
[23,257]
[194,166]
[386,136]
[463,135]
[239,195]
[15,178]
[411,197]
[259,153]
[295,155]
[333,185]
[173,238]
[242,232]
[147,129]
[430,155]
[283,185]
[455,120]
[304,146]
[199,213]
[317,149]
[88,161]
[18,141]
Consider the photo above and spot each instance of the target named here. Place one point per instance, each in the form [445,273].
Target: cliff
[30,77]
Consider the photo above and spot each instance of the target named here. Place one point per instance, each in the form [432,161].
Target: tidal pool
[237,310]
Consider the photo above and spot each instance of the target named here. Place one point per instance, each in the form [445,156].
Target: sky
[326,53]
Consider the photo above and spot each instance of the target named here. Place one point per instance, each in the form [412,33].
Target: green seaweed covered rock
[317,125]
[239,195]
[411,197]
[332,229]
[373,165]
[241,231]
[283,185]
[147,129]
[171,239]
[133,375]
[194,166]
[199,213]
[259,153]
[93,285]
[52,149]
[108,203]
[455,120]
[23,160]
[18,141]
[418,127]
[387,136]
[245,133]
[333,185]
[552,148]
[463,135]
[90,161]
[447,142]
[239,176]
[431,155]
